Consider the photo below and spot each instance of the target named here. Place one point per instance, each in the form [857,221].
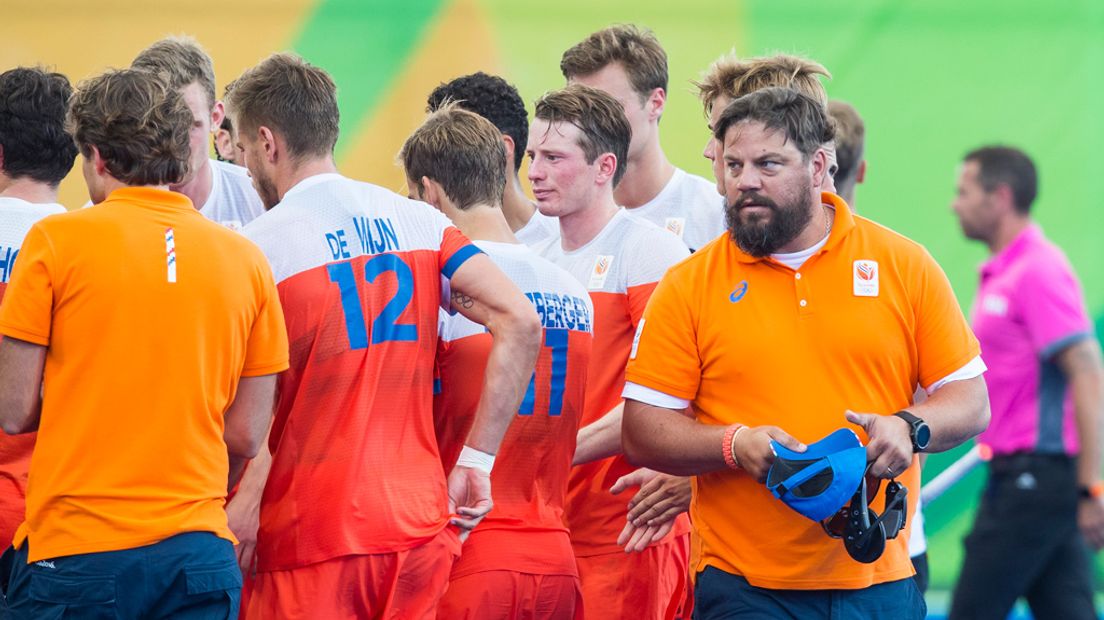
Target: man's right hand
[469,495]
[753,450]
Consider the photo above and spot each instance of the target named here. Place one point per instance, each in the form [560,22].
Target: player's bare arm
[666,440]
[247,421]
[955,412]
[600,439]
[21,365]
[482,293]
[243,512]
[1081,363]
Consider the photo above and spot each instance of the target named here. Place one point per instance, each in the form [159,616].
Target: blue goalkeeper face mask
[818,482]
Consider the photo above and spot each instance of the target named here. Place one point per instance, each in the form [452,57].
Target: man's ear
[655,104]
[861,175]
[272,149]
[511,153]
[820,166]
[218,112]
[607,168]
[1004,197]
[432,193]
[98,163]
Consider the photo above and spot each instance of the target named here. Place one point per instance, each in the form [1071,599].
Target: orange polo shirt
[150,314]
[749,340]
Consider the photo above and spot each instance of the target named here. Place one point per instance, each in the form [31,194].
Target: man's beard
[266,189]
[761,239]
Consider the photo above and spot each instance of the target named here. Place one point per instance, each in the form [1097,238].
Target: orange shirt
[858,326]
[151,314]
[524,531]
[619,268]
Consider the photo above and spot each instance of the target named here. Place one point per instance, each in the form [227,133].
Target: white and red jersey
[538,229]
[233,201]
[620,268]
[355,463]
[16,218]
[525,530]
[688,206]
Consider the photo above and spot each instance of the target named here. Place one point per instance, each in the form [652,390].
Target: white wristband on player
[470,457]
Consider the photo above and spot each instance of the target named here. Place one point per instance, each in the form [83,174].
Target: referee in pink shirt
[1044,498]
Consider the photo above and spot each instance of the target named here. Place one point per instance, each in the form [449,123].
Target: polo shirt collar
[152,196]
[842,224]
[1028,237]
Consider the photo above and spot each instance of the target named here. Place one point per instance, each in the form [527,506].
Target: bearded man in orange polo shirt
[783,330]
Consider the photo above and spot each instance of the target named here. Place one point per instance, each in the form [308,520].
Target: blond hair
[733,77]
[180,61]
[290,96]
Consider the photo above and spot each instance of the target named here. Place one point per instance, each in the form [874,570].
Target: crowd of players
[447,369]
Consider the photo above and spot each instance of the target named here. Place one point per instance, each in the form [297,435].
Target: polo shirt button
[803,303]
[797,276]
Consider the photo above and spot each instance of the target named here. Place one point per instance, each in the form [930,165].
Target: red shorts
[650,585]
[506,595]
[399,586]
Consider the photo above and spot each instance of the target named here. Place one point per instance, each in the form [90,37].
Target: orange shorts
[506,595]
[397,586]
[650,585]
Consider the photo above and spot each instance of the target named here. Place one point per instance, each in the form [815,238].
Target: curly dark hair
[137,122]
[494,99]
[33,102]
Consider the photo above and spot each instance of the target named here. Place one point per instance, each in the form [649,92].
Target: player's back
[355,465]
[154,310]
[525,530]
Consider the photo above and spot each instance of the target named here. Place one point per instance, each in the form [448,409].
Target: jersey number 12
[385,327]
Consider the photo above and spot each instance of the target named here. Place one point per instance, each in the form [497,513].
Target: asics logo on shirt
[738,293]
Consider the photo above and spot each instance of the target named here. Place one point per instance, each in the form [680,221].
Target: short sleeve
[27,310]
[456,249]
[267,349]
[1050,303]
[944,340]
[664,354]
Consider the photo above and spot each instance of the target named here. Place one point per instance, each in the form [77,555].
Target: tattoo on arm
[462,300]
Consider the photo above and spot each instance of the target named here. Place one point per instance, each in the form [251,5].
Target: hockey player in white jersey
[629,64]
[221,191]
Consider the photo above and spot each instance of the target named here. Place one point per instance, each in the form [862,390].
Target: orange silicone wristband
[726,446]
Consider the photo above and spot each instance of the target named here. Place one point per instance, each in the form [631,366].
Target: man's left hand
[889,450]
[1090,518]
[661,497]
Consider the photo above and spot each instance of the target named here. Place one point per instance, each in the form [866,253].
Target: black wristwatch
[919,432]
